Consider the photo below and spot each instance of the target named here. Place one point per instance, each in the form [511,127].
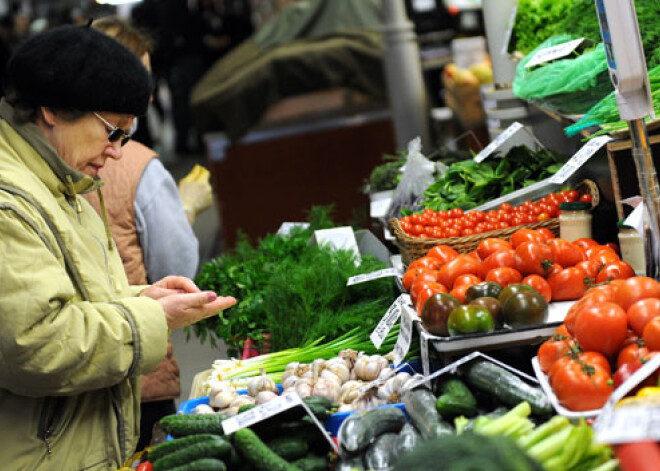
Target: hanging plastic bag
[419,173]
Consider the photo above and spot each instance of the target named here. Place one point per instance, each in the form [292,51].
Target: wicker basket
[413,248]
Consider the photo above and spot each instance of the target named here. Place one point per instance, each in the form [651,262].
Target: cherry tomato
[534,258]
[504,276]
[652,334]
[554,348]
[525,235]
[567,285]
[540,284]
[586,198]
[619,270]
[641,312]
[580,386]
[504,258]
[633,289]
[566,254]
[490,245]
[461,265]
[601,328]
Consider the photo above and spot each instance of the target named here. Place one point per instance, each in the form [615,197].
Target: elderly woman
[75,336]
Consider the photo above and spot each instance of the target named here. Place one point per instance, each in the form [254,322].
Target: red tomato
[619,270]
[614,247]
[632,353]
[586,198]
[461,265]
[590,269]
[585,243]
[601,328]
[596,295]
[526,235]
[641,312]
[504,258]
[567,285]
[652,334]
[602,254]
[554,348]
[412,273]
[474,255]
[504,276]
[562,330]
[444,253]
[468,279]
[633,289]
[459,292]
[426,292]
[420,283]
[581,386]
[533,258]
[539,284]
[546,233]
[490,246]
[596,359]
[566,254]
[556,268]
[428,262]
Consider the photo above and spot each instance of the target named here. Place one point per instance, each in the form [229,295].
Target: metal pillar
[403,71]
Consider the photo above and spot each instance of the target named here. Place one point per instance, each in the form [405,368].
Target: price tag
[265,411]
[499,140]
[402,345]
[374,275]
[378,208]
[579,159]
[286,227]
[509,30]
[551,53]
[387,322]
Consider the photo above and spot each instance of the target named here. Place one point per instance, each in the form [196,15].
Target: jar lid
[575,206]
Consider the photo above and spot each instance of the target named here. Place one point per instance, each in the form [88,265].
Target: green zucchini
[191,424]
[313,463]
[407,440]
[420,405]
[359,430]
[509,388]
[202,464]
[166,448]
[381,453]
[456,399]
[219,448]
[258,454]
[289,448]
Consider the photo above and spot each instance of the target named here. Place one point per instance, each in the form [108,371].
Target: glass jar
[631,245]
[575,221]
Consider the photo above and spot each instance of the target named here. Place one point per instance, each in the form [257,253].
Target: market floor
[192,356]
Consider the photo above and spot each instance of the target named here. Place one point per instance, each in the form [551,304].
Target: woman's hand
[187,308]
[170,285]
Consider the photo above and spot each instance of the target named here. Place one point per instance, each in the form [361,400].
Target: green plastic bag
[568,86]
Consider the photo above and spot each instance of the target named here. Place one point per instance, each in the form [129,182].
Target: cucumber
[202,464]
[318,400]
[381,454]
[509,388]
[456,399]
[219,448]
[191,424]
[258,454]
[350,464]
[289,448]
[420,405]
[166,448]
[321,412]
[246,407]
[313,463]
[407,440]
[359,430]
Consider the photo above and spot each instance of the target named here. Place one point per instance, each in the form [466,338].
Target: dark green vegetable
[313,463]
[485,289]
[407,440]
[289,448]
[219,448]
[436,310]
[420,405]
[359,430]
[166,448]
[202,464]
[191,424]
[456,399]
[381,453]
[246,407]
[470,320]
[258,454]
[525,309]
[468,452]
[509,388]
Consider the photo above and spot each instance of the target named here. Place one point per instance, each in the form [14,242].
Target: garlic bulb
[203,409]
[304,387]
[242,400]
[261,383]
[320,363]
[368,367]
[216,386]
[330,376]
[349,356]
[350,391]
[230,411]
[222,399]
[290,382]
[391,390]
[265,396]
[339,369]
[327,388]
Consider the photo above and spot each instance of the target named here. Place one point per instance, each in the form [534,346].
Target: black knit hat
[77,68]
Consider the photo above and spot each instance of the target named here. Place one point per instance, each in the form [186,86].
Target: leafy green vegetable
[387,176]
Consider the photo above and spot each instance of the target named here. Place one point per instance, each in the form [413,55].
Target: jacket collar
[69,180]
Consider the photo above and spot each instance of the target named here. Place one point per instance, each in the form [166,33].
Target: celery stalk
[542,432]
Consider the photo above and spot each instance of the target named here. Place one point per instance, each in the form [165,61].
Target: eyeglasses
[115,133]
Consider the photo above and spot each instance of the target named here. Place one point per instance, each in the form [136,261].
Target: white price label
[387,322]
[551,53]
[509,30]
[402,345]
[499,140]
[265,411]
[378,208]
[579,159]
[287,227]
[374,275]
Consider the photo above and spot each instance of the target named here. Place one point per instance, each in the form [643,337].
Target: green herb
[387,176]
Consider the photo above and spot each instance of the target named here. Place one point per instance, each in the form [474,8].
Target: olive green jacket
[74,336]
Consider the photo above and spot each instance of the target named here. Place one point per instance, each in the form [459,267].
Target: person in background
[152,229]
[76,336]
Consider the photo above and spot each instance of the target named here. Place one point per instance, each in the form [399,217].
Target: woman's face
[83,143]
